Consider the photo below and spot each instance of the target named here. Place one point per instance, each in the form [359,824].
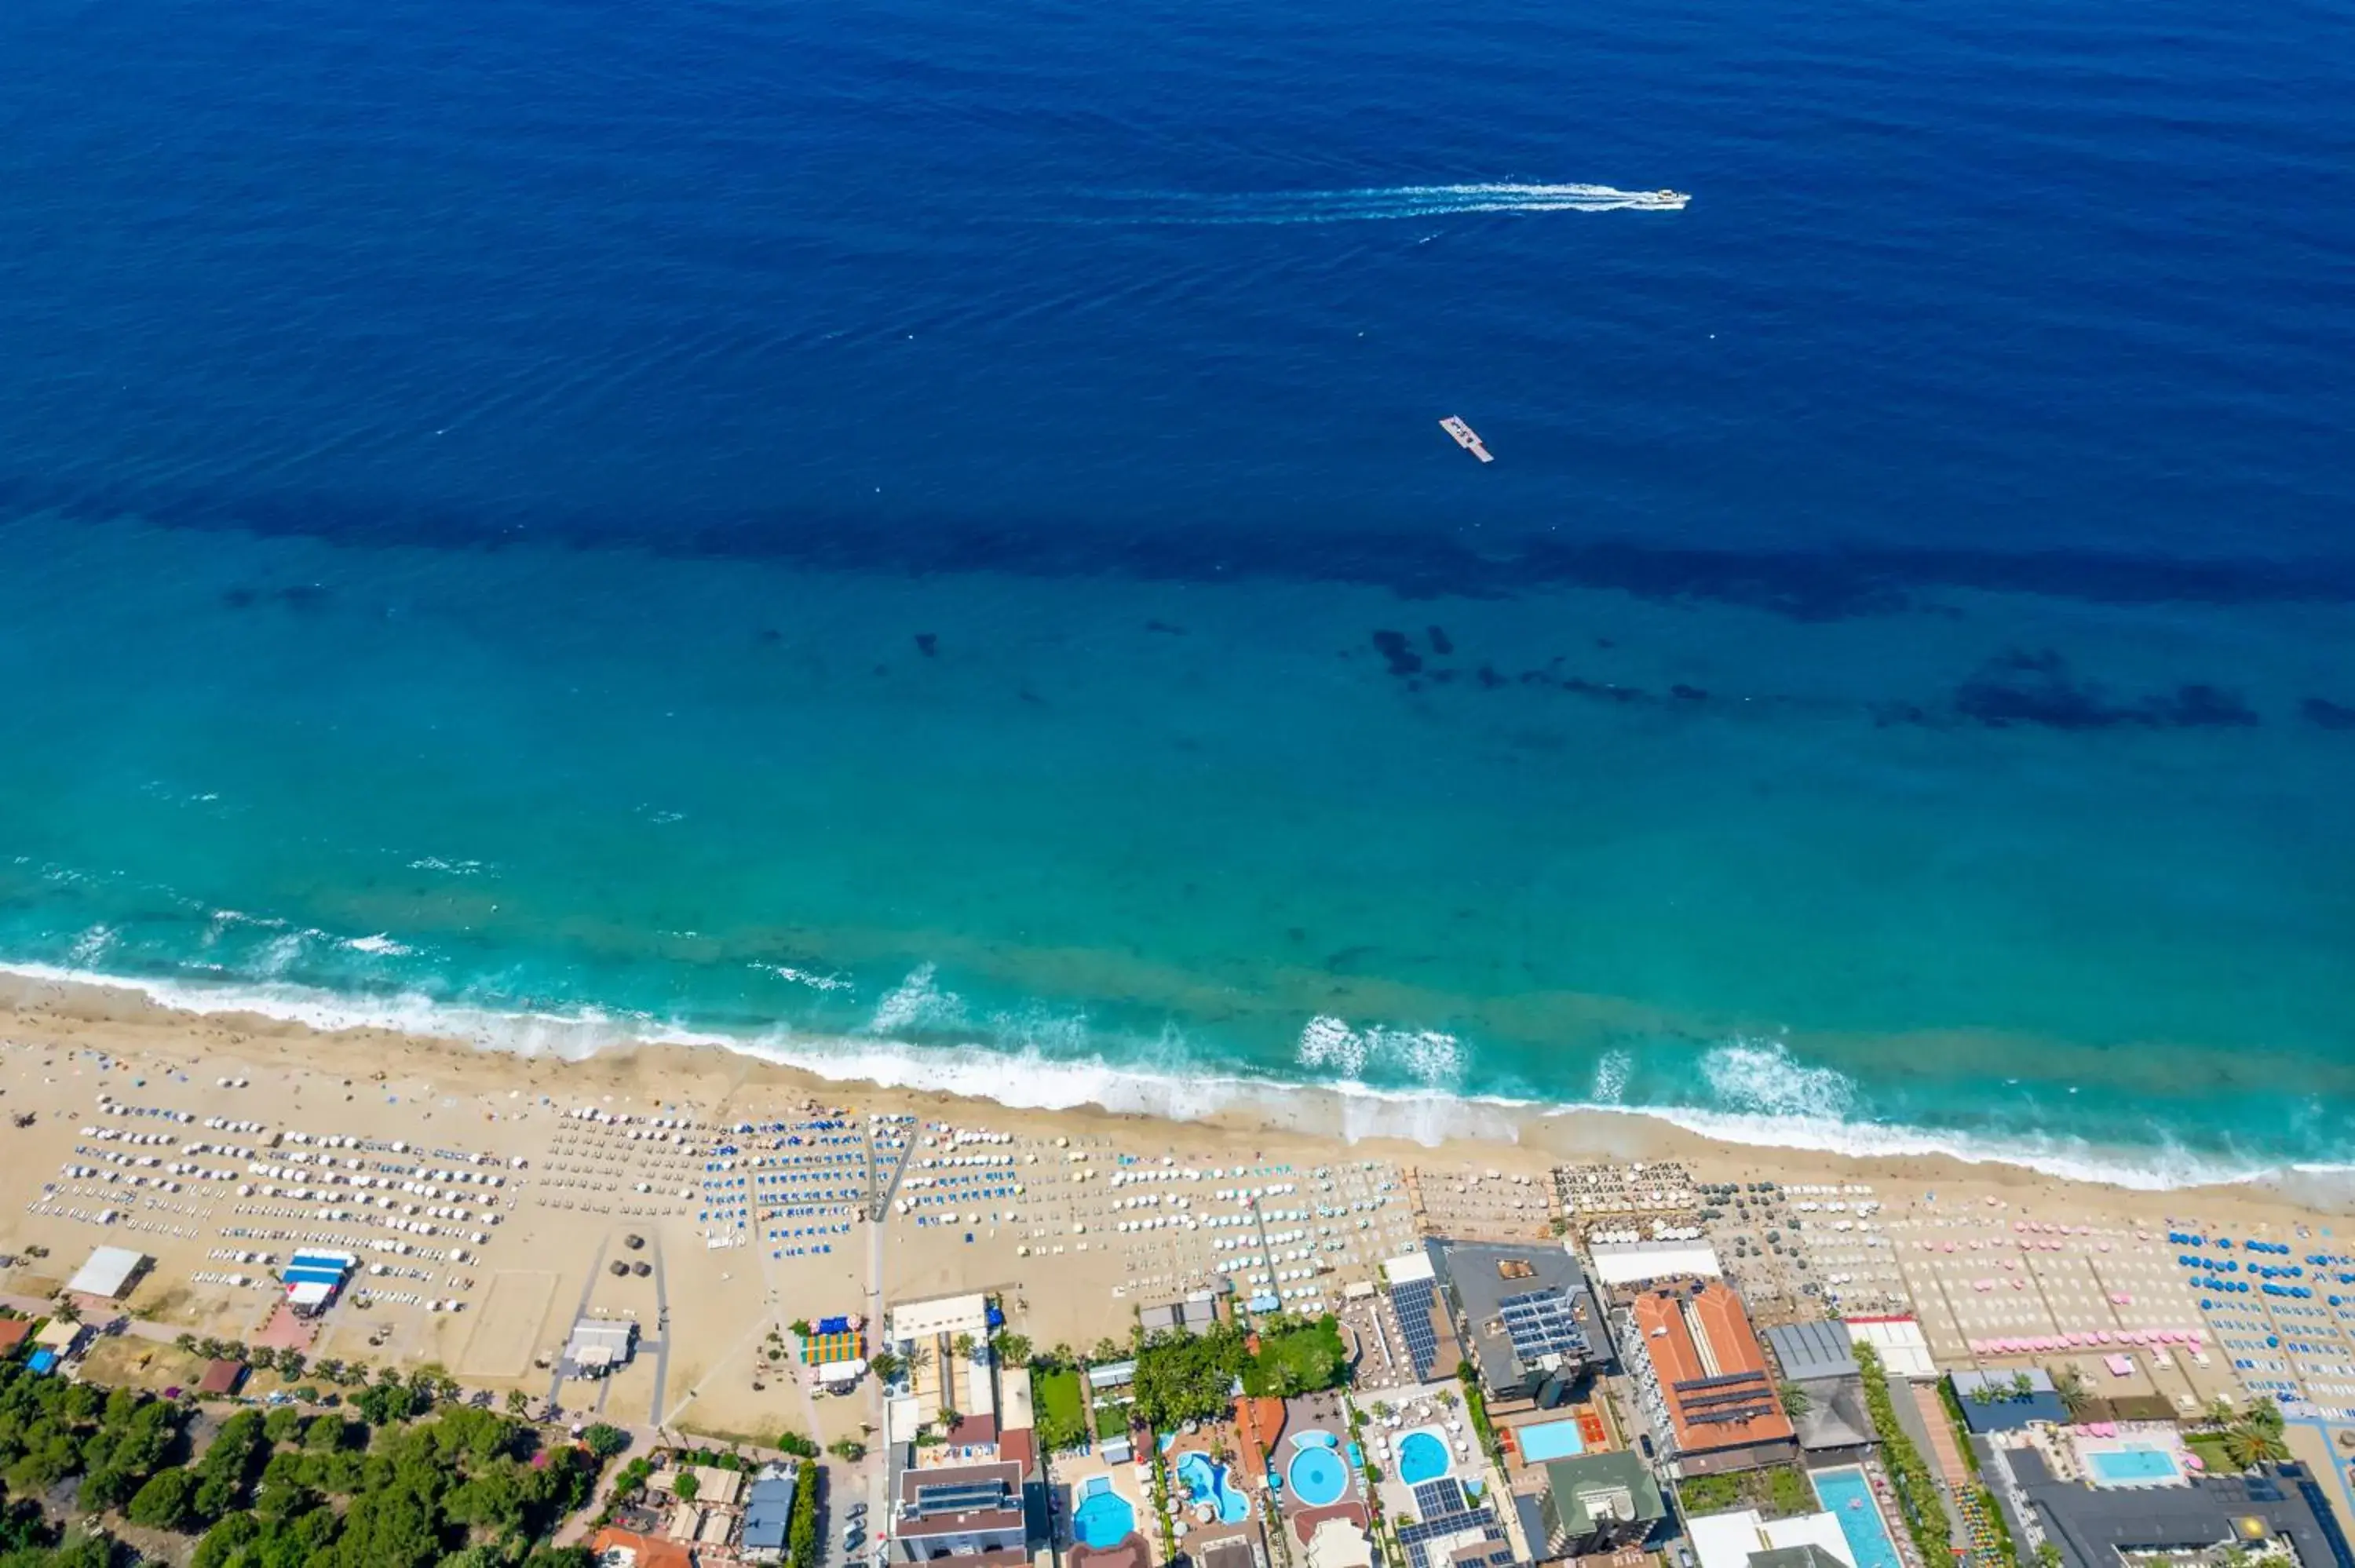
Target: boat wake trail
[1375,203]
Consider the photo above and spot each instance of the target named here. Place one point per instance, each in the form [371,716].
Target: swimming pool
[1847,1496]
[1317,1477]
[1104,1519]
[1206,1482]
[1551,1440]
[2136,1465]
[1422,1456]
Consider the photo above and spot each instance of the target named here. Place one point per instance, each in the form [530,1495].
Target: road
[662,1328]
[588,1283]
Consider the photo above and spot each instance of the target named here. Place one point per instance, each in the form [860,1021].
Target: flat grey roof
[1616,1482]
[1483,1276]
[2092,1525]
[1809,1350]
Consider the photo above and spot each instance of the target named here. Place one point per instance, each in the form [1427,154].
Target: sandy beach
[714,1198]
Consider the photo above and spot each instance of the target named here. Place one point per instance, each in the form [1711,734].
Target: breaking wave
[1041,1058]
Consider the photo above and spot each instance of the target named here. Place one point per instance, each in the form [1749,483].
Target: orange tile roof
[653,1552]
[1258,1423]
[1718,1393]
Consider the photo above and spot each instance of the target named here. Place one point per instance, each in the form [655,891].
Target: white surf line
[1379,203]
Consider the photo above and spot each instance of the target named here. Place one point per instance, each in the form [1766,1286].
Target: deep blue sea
[915,538]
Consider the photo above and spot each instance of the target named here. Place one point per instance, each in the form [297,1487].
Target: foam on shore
[1785,1104]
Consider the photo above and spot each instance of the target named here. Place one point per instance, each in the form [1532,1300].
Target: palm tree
[2076,1397]
[2251,1443]
[518,1401]
[1796,1401]
[961,1347]
[2219,1414]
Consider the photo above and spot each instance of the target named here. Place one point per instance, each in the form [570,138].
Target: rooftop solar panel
[1435,1499]
[1418,1537]
[1542,1323]
[1414,1301]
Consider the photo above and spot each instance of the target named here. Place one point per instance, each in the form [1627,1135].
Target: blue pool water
[1550,1440]
[1317,1477]
[2132,1466]
[1206,1482]
[1848,1497]
[1103,1518]
[1422,1457]
[819,528]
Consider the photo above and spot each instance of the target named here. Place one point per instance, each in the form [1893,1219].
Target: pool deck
[1073,1474]
[1210,1442]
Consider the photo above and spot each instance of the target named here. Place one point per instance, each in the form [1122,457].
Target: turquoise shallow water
[1153,836]
[916,538]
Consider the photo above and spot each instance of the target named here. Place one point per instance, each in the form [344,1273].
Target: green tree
[849,1450]
[685,1487]
[604,1440]
[166,1502]
[886,1366]
[801,1525]
[397,1526]
[2076,1398]
[2249,1443]
[518,1401]
[1011,1348]
[1796,1401]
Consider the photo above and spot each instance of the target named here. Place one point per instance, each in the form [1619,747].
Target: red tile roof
[652,1550]
[1716,1385]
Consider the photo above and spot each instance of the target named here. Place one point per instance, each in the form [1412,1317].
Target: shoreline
[758,1193]
[1350,1114]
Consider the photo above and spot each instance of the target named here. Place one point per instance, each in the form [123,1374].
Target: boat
[1467,438]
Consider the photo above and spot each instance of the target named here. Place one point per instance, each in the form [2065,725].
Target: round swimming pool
[1317,1477]
[1422,1457]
